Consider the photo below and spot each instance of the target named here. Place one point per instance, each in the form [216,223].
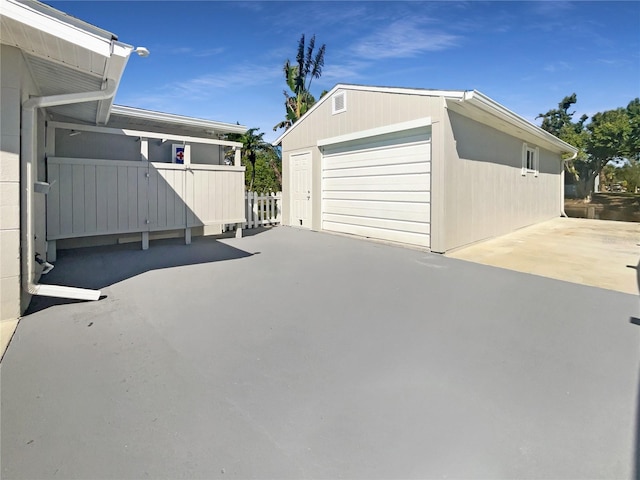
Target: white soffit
[481,108]
[37,31]
[64,54]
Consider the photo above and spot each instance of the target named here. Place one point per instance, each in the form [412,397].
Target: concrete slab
[294,354]
[7,328]
[598,253]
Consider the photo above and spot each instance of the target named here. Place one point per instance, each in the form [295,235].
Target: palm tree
[252,143]
[299,78]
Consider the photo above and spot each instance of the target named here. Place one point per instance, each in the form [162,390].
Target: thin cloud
[557,67]
[189,51]
[209,53]
[404,39]
[339,73]
[245,76]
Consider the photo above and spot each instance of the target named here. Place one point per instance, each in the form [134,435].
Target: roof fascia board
[30,17]
[176,119]
[374,132]
[114,70]
[485,103]
[143,134]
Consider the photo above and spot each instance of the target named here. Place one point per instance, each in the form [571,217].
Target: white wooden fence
[262,209]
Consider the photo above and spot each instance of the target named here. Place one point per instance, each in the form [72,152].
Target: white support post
[52,253]
[279,207]
[237,157]
[145,240]
[144,149]
[187,154]
[187,236]
[255,211]
[238,230]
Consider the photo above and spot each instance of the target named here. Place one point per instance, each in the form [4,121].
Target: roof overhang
[64,55]
[479,107]
[472,104]
[130,117]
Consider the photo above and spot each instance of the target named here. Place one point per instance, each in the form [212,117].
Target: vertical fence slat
[262,209]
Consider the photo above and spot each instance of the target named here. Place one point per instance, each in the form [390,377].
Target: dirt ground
[623,207]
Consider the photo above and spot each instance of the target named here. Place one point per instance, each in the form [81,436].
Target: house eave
[170,118]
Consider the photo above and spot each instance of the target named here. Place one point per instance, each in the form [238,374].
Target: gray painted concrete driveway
[293,354]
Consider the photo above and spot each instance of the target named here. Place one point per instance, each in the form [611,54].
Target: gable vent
[339,103]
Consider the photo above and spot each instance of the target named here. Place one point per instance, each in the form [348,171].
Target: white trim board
[142,134]
[374,132]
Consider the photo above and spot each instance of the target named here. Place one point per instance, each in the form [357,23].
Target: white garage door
[379,187]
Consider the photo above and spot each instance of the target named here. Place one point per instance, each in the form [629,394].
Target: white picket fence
[261,209]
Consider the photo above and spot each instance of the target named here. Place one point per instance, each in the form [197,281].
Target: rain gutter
[28,148]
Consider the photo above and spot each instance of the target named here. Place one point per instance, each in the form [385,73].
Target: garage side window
[530,160]
[339,103]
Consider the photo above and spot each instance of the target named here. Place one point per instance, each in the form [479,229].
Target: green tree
[261,160]
[633,144]
[607,137]
[629,176]
[298,77]
[607,141]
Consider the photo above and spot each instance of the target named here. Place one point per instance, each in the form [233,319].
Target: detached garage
[434,169]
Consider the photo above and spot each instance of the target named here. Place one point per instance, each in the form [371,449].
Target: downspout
[564,162]
[27,157]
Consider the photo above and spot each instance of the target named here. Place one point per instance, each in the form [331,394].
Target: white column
[144,149]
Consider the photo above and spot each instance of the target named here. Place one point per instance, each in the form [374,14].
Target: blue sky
[223,60]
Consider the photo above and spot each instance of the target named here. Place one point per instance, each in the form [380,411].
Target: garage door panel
[379,188]
[418,182]
[416,196]
[415,212]
[414,227]
[413,154]
[398,169]
[420,239]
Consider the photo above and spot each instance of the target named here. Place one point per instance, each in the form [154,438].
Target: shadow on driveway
[98,267]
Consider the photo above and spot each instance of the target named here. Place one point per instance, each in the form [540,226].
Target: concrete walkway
[293,354]
[599,253]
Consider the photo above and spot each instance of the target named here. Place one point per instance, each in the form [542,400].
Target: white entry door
[300,190]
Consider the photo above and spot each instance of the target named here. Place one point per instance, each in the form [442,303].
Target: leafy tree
[558,120]
[261,160]
[629,176]
[298,78]
[633,145]
[265,180]
[607,137]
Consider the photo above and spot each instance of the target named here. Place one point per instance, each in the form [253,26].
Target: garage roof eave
[490,106]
